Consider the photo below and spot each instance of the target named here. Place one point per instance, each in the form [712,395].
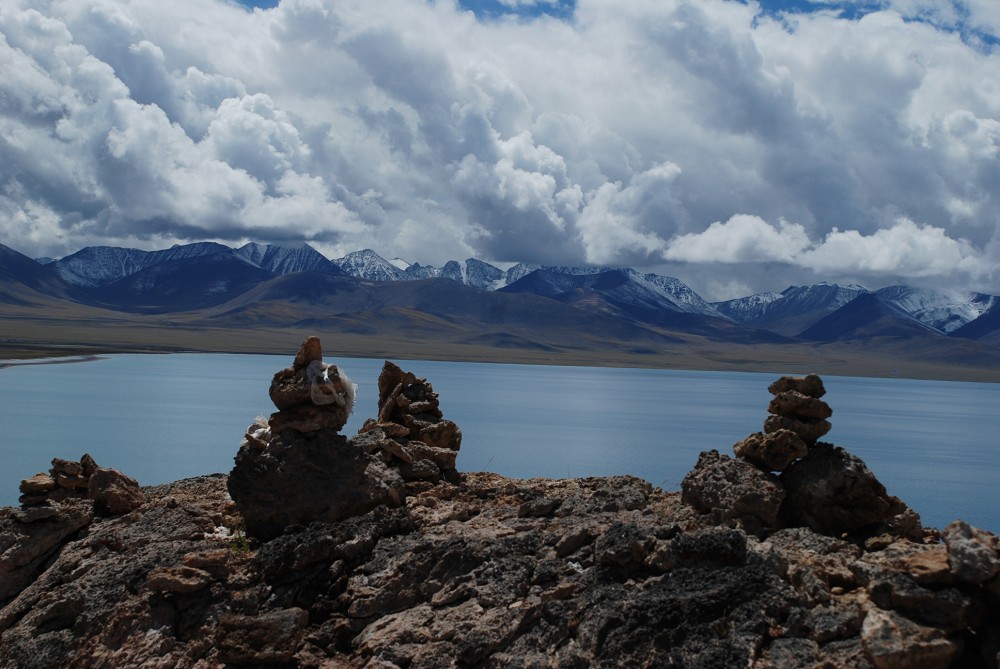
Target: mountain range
[474,303]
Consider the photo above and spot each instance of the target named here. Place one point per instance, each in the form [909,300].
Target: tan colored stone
[793,403]
[893,642]
[809,430]
[771,452]
[178,579]
[810,385]
[310,351]
[115,492]
[39,483]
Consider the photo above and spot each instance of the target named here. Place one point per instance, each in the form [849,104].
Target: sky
[740,146]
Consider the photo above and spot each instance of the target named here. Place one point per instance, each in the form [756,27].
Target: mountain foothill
[199,296]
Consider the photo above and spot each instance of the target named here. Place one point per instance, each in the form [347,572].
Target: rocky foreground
[375,552]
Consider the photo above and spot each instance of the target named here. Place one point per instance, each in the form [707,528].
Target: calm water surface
[159,418]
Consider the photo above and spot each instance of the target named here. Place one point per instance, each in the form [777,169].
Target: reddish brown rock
[39,483]
[771,452]
[307,418]
[410,430]
[793,403]
[115,493]
[809,385]
[311,395]
[732,489]
[809,430]
[178,579]
[310,351]
[894,642]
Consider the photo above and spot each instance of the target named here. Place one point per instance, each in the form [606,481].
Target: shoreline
[67,354]
[7,363]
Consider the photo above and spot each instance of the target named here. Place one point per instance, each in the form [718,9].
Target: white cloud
[640,131]
[905,249]
[741,239]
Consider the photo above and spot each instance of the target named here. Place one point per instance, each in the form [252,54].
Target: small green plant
[240,542]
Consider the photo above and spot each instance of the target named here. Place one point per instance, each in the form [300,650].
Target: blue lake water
[159,418]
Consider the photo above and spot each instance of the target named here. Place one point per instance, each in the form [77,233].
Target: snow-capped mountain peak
[944,310]
[369,265]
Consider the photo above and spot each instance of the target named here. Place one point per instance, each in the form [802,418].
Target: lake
[159,418]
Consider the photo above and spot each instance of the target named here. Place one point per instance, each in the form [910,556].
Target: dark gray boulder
[294,478]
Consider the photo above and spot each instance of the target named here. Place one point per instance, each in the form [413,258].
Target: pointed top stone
[311,350]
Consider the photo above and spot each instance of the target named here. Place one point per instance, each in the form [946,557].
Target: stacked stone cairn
[310,395]
[797,420]
[113,493]
[410,433]
[295,468]
[818,485]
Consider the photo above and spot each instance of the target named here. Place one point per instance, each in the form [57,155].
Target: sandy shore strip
[4,364]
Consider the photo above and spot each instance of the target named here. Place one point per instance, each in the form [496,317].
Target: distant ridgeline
[526,306]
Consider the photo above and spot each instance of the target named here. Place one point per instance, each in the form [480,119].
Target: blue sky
[740,151]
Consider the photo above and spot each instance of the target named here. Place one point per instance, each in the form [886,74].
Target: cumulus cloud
[742,238]
[686,134]
[905,250]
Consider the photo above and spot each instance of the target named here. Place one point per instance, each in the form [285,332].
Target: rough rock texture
[75,480]
[771,452]
[114,492]
[296,477]
[810,386]
[796,407]
[488,572]
[410,432]
[485,571]
[833,491]
[310,395]
[296,469]
[732,489]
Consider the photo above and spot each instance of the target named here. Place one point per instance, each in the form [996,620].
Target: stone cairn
[295,467]
[310,395]
[410,433]
[819,485]
[113,492]
[797,420]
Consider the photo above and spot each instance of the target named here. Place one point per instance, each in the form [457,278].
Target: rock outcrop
[820,485]
[296,468]
[113,492]
[478,570]
[410,432]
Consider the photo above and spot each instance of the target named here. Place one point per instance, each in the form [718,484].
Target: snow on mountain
[788,312]
[749,308]
[366,264]
[99,265]
[677,292]
[796,309]
[252,252]
[288,259]
[944,311]
[471,272]
[482,275]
